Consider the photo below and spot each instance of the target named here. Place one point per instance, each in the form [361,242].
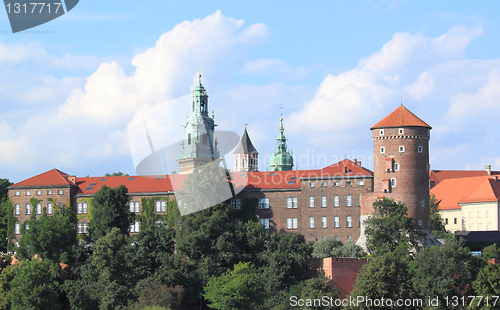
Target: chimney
[488,169]
[355,161]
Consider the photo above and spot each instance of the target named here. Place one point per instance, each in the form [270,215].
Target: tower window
[393,182]
[401,131]
[401,148]
[381,132]
[420,149]
[396,167]
[382,150]
[189,139]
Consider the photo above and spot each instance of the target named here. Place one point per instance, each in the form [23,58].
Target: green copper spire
[281,159]
[199,146]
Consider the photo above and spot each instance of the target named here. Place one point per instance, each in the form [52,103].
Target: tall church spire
[281,159]
[199,146]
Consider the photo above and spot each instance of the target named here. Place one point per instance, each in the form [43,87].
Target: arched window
[243,163]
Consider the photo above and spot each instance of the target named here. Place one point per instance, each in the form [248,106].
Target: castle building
[199,146]
[332,201]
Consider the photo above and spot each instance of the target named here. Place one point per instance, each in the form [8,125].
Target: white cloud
[422,87]
[90,124]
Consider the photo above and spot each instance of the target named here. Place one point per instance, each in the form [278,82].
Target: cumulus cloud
[85,125]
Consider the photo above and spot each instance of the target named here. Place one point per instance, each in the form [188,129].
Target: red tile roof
[401,117]
[437,176]
[134,184]
[291,179]
[52,177]
[453,192]
[169,183]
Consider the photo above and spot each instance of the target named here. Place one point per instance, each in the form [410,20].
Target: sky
[73,90]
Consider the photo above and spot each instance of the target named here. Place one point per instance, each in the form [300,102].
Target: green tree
[4,188]
[156,295]
[487,285]
[115,174]
[110,209]
[386,276]
[350,249]
[51,237]
[490,252]
[240,288]
[34,286]
[389,226]
[325,247]
[452,260]
[6,219]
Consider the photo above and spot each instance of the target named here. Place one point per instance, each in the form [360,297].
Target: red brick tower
[401,162]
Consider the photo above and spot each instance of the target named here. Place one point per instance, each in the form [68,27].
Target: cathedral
[331,201]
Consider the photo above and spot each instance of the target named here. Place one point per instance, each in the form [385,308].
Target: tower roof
[245,146]
[401,117]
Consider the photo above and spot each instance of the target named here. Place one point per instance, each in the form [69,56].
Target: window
[82,208]
[17,193]
[420,223]
[488,214]
[28,193]
[134,227]
[420,149]
[470,215]
[27,226]
[291,223]
[82,228]
[311,222]
[264,222]
[39,193]
[348,238]
[361,183]
[161,206]
[311,184]
[263,203]
[323,201]
[243,162]
[479,214]
[336,183]
[336,201]
[311,201]
[49,192]
[359,221]
[381,132]
[235,163]
[422,203]
[359,200]
[348,221]
[189,139]
[396,167]
[60,192]
[348,202]
[17,228]
[323,184]
[479,227]
[28,209]
[401,131]
[236,204]
[401,148]
[134,207]
[323,222]
[336,221]
[348,183]
[161,223]
[291,202]
[446,221]
[38,208]
[393,182]
[454,220]
[50,208]
[382,150]
[17,209]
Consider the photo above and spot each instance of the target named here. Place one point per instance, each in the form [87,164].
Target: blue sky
[71,89]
